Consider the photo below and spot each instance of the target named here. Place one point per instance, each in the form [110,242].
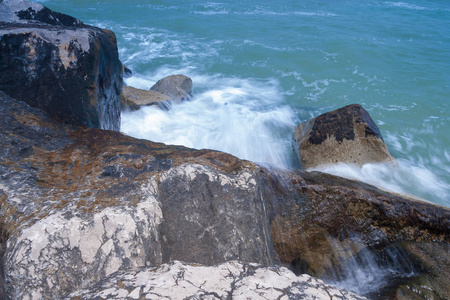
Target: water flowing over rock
[56,63]
[177,87]
[346,135]
[231,280]
[327,226]
[133,98]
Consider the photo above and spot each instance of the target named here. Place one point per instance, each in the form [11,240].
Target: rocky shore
[87,212]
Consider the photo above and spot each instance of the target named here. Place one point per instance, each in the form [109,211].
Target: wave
[406,5]
[410,6]
[294,13]
[238,116]
[402,178]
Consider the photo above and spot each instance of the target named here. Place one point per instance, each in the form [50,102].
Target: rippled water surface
[262,67]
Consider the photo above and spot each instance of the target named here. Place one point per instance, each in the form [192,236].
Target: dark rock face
[320,223]
[47,16]
[345,135]
[339,123]
[56,63]
[225,213]
[177,87]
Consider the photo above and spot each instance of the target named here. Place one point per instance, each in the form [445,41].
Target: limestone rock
[177,87]
[134,98]
[231,280]
[346,135]
[56,63]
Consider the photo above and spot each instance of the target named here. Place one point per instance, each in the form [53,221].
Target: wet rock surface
[231,280]
[58,64]
[133,98]
[329,227]
[346,135]
[177,87]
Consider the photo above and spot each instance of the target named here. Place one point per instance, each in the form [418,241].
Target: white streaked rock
[230,280]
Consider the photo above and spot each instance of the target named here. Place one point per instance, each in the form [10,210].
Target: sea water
[262,67]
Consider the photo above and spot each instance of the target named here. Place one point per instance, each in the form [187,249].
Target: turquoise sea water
[262,67]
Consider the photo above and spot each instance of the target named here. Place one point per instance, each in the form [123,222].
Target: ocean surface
[261,67]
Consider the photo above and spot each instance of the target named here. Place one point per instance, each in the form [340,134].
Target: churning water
[261,67]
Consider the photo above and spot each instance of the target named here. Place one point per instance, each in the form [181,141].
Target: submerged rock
[177,87]
[231,280]
[346,135]
[56,63]
[133,98]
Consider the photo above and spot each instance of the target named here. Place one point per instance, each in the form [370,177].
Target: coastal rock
[331,227]
[100,214]
[77,205]
[231,280]
[25,12]
[133,98]
[80,204]
[346,135]
[177,87]
[56,63]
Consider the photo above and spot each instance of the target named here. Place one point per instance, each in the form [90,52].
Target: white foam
[407,5]
[139,82]
[402,178]
[264,12]
[316,87]
[211,12]
[238,116]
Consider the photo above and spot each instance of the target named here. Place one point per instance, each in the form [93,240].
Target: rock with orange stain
[78,204]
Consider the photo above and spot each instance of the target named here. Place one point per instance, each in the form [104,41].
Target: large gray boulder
[231,280]
[58,64]
[177,87]
[346,135]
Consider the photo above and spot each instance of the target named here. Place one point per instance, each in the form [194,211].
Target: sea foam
[239,116]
